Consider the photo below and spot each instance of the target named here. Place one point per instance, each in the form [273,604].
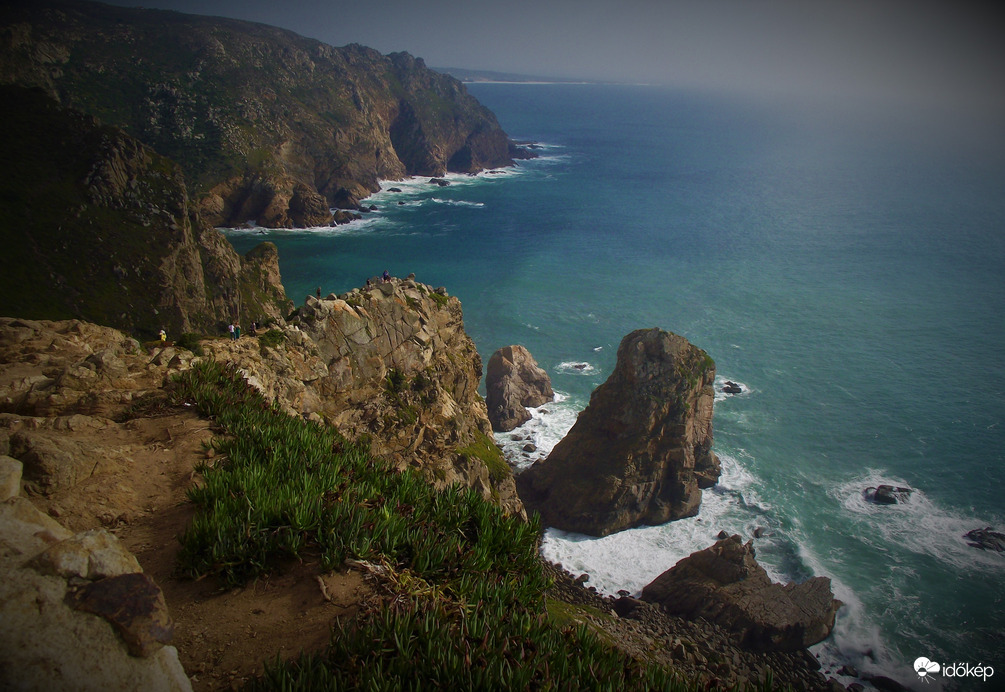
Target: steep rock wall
[99,227]
[642,449]
[267,125]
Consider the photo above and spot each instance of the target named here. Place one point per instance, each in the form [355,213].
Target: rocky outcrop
[641,451]
[267,125]
[724,585]
[78,612]
[986,539]
[514,382]
[106,232]
[391,364]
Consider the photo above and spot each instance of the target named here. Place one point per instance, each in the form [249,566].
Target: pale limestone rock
[10,477]
[94,554]
[25,530]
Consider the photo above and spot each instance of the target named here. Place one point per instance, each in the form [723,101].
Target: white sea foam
[548,424]
[364,225]
[572,367]
[720,382]
[456,202]
[918,524]
[631,559]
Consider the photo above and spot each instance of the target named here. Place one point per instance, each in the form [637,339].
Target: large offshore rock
[514,382]
[725,585]
[641,451]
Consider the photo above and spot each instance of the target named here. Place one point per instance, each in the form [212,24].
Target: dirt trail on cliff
[223,637]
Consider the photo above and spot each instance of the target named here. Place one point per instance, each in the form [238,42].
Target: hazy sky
[941,53]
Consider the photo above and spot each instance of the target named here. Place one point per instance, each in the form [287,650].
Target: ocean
[847,269]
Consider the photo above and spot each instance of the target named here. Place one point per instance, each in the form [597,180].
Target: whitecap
[548,424]
[572,367]
[632,558]
[720,382]
[457,202]
[918,524]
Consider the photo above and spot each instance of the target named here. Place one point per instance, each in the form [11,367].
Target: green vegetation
[440,299]
[190,341]
[484,448]
[469,608]
[271,339]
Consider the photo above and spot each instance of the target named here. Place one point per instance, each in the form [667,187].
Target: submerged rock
[513,381]
[986,539]
[642,449]
[725,585]
[887,494]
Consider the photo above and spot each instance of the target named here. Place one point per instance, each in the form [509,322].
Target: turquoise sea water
[848,272]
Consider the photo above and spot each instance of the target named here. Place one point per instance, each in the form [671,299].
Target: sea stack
[725,585]
[513,382]
[641,452]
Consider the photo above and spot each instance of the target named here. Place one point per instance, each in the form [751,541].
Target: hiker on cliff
[164,336]
[231,328]
[237,332]
[386,278]
[319,293]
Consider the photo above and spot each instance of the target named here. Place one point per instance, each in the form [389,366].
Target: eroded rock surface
[77,611]
[641,451]
[725,585]
[513,383]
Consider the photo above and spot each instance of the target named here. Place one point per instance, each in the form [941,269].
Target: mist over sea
[848,271]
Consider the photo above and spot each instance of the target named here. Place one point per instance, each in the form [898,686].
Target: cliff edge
[267,126]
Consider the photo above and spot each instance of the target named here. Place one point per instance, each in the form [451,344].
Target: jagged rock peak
[514,382]
[641,451]
[724,584]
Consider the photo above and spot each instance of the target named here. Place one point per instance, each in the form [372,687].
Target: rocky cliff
[267,125]
[390,362]
[641,450]
[513,382]
[725,585]
[98,226]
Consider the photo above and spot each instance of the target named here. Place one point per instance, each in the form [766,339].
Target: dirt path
[223,637]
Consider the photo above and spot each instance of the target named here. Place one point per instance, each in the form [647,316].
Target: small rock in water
[530,447]
[732,388]
[986,539]
[887,494]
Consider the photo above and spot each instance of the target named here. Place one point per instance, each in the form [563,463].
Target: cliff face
[267,125]
[725,585]
[393,364]
[642,449]
[98,226]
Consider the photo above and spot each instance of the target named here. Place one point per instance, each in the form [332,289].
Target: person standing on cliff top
[237,332]
[231,328]
[386,278]
[164,336]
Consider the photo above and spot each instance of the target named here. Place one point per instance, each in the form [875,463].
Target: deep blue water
[846,270]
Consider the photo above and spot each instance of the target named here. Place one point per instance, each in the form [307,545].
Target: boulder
[439,181]
[725,585]
[513,381]
[77,613]
[732,388]
[887,494]
[641,452]
[986,539]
